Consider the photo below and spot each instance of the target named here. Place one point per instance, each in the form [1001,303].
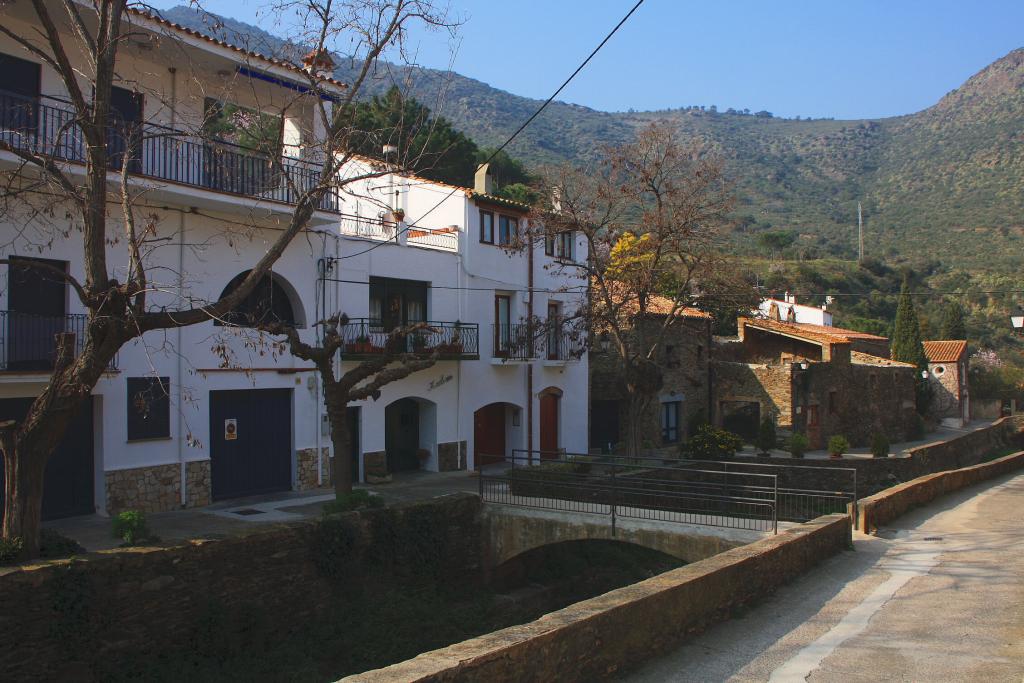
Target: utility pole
[860,235]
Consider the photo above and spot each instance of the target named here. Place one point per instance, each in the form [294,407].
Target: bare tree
[81,43]
[392,361]
[649,212]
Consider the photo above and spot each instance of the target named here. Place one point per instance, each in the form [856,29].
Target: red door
[549,426]
[489,434]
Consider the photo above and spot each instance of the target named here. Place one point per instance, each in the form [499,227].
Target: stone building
[812,379]
[947,374]
[685,394]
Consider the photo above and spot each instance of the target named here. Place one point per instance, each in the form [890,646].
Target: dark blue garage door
[250,442]
[68,483]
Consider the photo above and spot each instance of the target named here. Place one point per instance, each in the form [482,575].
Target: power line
[521,128]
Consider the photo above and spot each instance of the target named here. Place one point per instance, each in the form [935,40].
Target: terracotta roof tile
[838,331]
[947,351]
[868,359]
[816,334]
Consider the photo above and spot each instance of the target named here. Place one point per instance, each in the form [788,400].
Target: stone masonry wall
[683,361]
[146,489]
[307,462]
[451,456]
[770,386]
[197,483]
[68,614]
[945,390]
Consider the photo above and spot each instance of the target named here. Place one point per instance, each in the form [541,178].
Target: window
[508,230]
[700,352]
[670,421]
[487,227]
[502,324]
[394,302]
[149,408]
[268,302]
[671,359]
[561,245]
[833,403]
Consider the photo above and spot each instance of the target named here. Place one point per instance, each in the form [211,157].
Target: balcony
[28,342]
[516,342]
[364,338]
[49,129]
[443,239]
[563,343]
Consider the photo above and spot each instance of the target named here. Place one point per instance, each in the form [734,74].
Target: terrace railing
[28,341]
[153,151]
[515,341]
[367,338]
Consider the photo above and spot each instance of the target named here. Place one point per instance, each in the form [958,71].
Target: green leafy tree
[426,143]
[766,439]
[953,326]
[907,346]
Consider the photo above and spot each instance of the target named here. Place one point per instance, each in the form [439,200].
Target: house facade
[947,376]
[682,358]
[217,410]
[811,380]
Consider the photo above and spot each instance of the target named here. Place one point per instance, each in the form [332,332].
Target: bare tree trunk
[341,439]
[23,495]
[636,412]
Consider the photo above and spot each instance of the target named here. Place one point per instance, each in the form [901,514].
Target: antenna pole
[860,235]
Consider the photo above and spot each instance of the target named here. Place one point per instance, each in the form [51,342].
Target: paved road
[937,597]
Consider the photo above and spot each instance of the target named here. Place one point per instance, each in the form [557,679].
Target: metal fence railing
[515,341]
[366,337]
[154,151]
[596,485]
[28,341]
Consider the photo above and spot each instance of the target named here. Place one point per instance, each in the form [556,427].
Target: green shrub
[879,445]
[766,439]
[797,445]
[837,445]
[357,499]
[712,443]
[915,428]
[130,526]
[54,545]
[10,550]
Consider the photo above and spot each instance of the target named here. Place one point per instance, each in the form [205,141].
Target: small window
[833,403]
[700,352]
[670,422]
[549,245]
[508,230]
[487,227]
[671,359]
[149,408]
[939,370]
[564,243]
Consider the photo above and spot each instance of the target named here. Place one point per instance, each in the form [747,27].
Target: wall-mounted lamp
[804,366]
[604,341]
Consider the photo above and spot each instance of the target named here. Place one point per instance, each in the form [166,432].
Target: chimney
[319,62]
[483,183]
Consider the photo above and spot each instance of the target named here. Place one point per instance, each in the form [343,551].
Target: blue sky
[852,59]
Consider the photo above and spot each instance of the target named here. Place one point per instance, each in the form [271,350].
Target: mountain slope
[945,183]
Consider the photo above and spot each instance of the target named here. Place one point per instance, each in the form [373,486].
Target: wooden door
[489,434]
[402,435]
[549,426]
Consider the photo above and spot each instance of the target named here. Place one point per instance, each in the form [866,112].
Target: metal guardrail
[515,341]
[28,341]
[162,153]
[366,337]
[588,484]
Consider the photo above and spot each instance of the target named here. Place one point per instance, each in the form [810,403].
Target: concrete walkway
[937,597]
[245,515]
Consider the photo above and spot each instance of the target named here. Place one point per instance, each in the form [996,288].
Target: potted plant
[837,445]
[798,444]
[879,445]
[766,437]
[419,343]
[454,347]
[361,345]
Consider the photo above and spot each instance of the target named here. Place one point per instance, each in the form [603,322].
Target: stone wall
[684,363]
[451,456]
[147,489]
[375,466]
[597,639]
[307,463]
[770,386]
[67,614]
[157,488]
[881,508]
[946,389]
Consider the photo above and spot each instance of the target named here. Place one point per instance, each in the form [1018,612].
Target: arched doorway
[550,399]
[272,300]
[495,432]
[409,427]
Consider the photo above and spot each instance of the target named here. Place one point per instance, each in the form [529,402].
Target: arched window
[268,302]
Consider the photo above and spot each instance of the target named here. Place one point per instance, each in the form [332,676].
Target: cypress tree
[953,326]
[906,338]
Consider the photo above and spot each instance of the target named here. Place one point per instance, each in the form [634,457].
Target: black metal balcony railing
[161,153]
[28,342]
[515,341]
[563,341]
[365,338]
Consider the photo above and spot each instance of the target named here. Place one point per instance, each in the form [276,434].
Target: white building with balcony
[215,411]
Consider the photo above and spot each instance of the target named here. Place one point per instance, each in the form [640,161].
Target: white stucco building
[788,310]
[214,411]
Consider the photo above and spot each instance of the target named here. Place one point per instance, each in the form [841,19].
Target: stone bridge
[510,531]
